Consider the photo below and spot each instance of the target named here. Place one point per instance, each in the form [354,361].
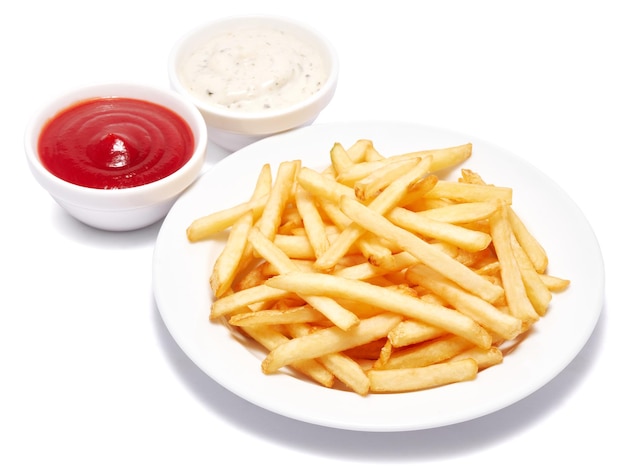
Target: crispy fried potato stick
[203,227]
[484,357]
[468,192]
[329,340]
[314,226]
[227,263]
[301,314]
[467,239]
[427,353]
[410,332]
[514,290]
[420,378]
[527,240]
[462,213]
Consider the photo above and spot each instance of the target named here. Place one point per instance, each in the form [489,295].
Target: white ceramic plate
[181,271]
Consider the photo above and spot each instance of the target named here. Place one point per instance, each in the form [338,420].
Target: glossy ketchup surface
[114,143]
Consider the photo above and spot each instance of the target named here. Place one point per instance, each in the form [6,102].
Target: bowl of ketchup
[116,156]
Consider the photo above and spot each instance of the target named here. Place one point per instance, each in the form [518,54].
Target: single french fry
[348,371]
[314,226]
[300,314]
[410,332]
[514,290]
[236,301]
[424,252]
[270,219]
[470,240]
[340,158]
[204,227]
[527,240]
[462,213]
[484,357]
[425,354]
[384,298]
[554,283]
[225,267]
[208,225]
[420,378]
[329,340]
[358,151]
[444,158]
[538,293]
[322,186]
[467,192]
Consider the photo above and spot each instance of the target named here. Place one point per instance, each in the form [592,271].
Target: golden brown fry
[425,354]
[359,150]
[555,284]
[227,263]
[410,332]
[329,340]
[204,227]
[340,158]
[484,357]
[270,219]
[538,293]
[420,378]
[467,192]
[527,240]
[445,158]
[208,225]
[470,240]
[300,314]
[514,290]
[314,226]
[462,213]
[233,303]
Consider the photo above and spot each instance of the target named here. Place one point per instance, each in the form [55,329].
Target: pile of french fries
[375,275]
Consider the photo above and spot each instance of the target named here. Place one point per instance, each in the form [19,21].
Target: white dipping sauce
[254,69]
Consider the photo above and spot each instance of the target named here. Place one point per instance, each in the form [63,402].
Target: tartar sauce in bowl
[254,68]
[253,76]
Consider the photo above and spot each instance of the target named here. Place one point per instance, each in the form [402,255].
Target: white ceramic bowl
[231,128]
[126,208]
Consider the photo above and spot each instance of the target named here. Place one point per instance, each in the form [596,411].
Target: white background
[90,377]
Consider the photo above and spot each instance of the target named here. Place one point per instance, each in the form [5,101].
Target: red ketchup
[114,143]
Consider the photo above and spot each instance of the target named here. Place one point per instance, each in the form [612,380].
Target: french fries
[374,275]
